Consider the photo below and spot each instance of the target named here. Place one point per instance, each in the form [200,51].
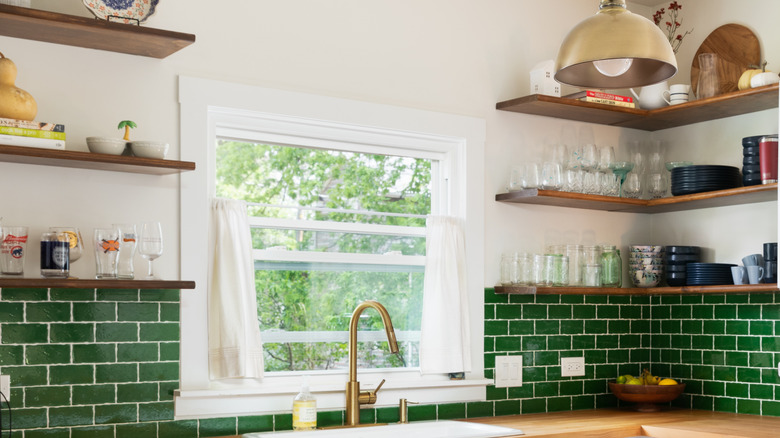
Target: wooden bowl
[647,397]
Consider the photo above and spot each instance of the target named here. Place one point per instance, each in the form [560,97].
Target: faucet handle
[369,397]
[379,386]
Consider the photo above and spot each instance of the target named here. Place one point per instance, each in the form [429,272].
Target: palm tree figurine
[127,124]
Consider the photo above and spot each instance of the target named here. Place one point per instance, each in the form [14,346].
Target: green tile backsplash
[104,363]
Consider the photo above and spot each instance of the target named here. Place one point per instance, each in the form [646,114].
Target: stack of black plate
[751,165]
[676,260]
[704,178]
[704,274]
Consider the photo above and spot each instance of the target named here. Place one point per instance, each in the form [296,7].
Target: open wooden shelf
[88,160]
[719,198]
[71,30]
[728,288]
[718,107]
[79,283]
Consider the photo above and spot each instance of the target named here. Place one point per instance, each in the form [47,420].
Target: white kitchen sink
[422,429]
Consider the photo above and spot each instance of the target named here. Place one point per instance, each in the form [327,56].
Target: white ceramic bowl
[149,149]
[106,145]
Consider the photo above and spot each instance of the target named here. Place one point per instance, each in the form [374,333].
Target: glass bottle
[611,267]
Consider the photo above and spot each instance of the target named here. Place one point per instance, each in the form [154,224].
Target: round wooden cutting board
[737,47]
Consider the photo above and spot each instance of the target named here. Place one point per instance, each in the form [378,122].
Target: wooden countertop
[622,423]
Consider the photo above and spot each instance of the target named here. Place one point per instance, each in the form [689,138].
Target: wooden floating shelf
[72,30]
[728,288]
[718,107]
[88,160]
[719,198]
[79,283]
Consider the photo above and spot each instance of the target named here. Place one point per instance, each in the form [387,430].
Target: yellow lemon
[634,381]
[667,382]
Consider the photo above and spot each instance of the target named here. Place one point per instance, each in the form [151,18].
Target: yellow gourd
[744,80]
[15,103]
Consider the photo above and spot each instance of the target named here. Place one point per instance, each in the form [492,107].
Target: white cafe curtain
[235,347]
[445,343]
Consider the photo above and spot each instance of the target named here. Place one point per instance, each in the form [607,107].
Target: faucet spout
[355,397]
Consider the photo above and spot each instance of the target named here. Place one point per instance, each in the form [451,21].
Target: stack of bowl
[751,163]
[646,265]
[677,259]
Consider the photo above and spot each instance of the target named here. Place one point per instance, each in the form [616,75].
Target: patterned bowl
[645,249]
[647,278]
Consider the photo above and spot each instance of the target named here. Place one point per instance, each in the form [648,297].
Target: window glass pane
[324,241]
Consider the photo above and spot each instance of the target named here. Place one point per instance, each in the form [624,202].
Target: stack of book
[603,98]
[31,134]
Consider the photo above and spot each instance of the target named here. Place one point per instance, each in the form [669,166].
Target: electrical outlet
[509,371]
[572,366]
[5,386]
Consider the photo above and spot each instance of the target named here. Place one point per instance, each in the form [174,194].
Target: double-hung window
[337,194]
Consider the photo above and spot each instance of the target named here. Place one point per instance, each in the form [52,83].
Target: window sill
[275,395]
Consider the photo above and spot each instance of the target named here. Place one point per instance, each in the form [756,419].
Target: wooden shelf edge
[77,31]
[576,290]
[89,160]
[79,283]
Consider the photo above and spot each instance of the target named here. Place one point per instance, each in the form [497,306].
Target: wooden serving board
[737,47]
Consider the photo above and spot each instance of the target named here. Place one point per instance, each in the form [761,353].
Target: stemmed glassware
[150,244]
[621,169]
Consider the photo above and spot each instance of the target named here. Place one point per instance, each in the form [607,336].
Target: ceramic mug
[739,274]
[753,260]
[755,274]
[676,94]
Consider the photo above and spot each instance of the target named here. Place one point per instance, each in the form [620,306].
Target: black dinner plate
[678,249]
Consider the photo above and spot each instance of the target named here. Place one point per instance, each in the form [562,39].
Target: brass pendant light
[615,49]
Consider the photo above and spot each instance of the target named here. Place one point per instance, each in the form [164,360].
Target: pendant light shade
[615,49]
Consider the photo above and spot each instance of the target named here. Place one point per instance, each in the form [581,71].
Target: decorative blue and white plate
[122,11]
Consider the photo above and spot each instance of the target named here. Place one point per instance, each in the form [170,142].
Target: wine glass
[150,243]
[621,169]
[74,237]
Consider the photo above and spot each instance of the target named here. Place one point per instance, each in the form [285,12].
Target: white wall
[454,56]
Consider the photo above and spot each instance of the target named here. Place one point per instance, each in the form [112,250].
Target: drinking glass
[127,244]
[590,157]
[75,239]
[530,178]
[515,178]
[106,244]
[551,176]
[150,244]
[656,185]
[606,157]
[632,188]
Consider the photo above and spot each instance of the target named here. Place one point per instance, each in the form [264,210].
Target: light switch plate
[5,386]
[572,366]
[509,371]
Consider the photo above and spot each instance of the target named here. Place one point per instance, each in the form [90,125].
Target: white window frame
[207,105]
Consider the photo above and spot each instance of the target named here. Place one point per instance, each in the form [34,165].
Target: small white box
[543,81]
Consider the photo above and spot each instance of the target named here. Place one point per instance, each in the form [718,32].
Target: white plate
[122,11]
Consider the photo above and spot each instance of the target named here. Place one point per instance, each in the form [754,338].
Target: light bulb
[613,67]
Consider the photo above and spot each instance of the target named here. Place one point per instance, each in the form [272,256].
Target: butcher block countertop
[622,423]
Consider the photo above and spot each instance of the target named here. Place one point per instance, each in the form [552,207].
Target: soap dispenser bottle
[304,415]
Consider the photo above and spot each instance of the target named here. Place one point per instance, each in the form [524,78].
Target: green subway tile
[749,311]
[584,342]
[490,360]
[661,312]
[639,355]
[542,358]
[116,413]
[607,312]
[530,343]
[24,294]
[94,311]
[24,333]
[702,372]
[148,372]
[704,311]
[691,299]
[714,299]
[11,355]
[769,343]
[749,375]
[573,387]
[722,404]
[630,312]
[217,426]
[554,373]
[557,404]
[451,411]
[726,311]
[135,430]
[762,392]
[70,416]
[749,343]
[496,328]
[737,327]
[725,374]
[72,295]
[770,408]
[136,392]
[562,311]
[547,327]
[493,393]
[522,299]
[533,406]
[158,411]
[619,326]
[116,373]
[138,312]
[117,295]
[179,429]
[771,311]
[640,299]
[137,352]
[737,390]
[11,312]
[584,311]
[681,312]
[630,341]
[757,360]
[681,341]
[725,342]
[640,326]
[26,375]
[715,388]
[47,354]
[166,390]
[71,374]
[282,422]
[605,371]
[47,312]
[490,312]
[558,342]
[702,402]
[534,374]
[595,326]
[491,297]
[93,394]
[479,409]
[595,386]
[507,407]
[737,298]
[583,402]
[572,299]
[619,299]
[714,357]
[93,432]
[61,333]
[520,327]
[116,332]
[508,343]
[524,391]
[422,412]
[534,311]
[695,327]
[750,407]
[618,356]
[761,328]
[509,311]
[39,396]
[489,347]
[94,353]
[387,415]
[759,298]
[571,327]
[671,326]
[256,423]
[170,350]
[546,389]
[607,341]
[693,357]
[548,299]
[596,299]
[702,342]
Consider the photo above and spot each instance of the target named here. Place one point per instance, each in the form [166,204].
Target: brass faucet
[355,397]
